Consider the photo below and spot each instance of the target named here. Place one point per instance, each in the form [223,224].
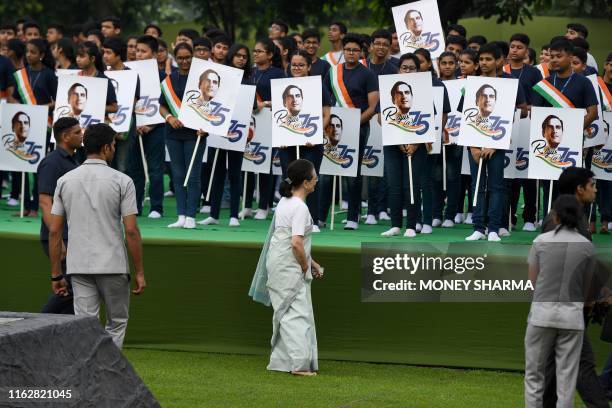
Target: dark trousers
[155,152]
[30,199]
[355,184]
[265,188]
[529,197]
[491,184]
[233,172]
[377,195]
[453,183]
[315,155]
[59,304]
[588,386]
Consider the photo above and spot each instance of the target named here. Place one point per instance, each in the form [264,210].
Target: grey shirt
[566,262]
[94,198]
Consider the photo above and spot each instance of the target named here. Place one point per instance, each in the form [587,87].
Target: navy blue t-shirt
[577,88]
[319,67]
[528,76]
[44,85]
[359,82]
[261,79]
[179,82]
[6,74]
[435,81]
[386,68]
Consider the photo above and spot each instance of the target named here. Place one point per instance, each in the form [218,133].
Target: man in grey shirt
[95,199]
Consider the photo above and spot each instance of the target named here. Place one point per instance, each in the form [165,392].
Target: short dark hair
[211,32]
[478,39]
[547,120]
[572,177]
[396,86]
[503,47]
[568,210]
[545,47]
[97,136]
[520,37]
[333,115]
[75,86]
[302,54]
[581,42]
[311,33]
[490,48]
[564,45]
[222,39]
[155,27]
[352,38]
[15,116]
[149,41]
[579,28]
[182,46]
[63,124]
[7,25]
[189,32]
[284,26]
[202,42]
[67,46]
[341,26]
[117,45]
[531,55]
[480,91]
[31,24]
[15,45]
[382,33]
[455,39]
[115,20]
[97,33]
[58,27]
[412,57]
[580,53]
[287,89]
[458,28]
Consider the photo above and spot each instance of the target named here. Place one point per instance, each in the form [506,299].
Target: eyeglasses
[352,50]
[243,56]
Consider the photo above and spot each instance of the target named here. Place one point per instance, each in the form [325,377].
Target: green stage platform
[197,296]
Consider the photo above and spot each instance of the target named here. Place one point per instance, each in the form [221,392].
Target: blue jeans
[233,171]
[355,183]
[491,182]
[180,151]
[396,167]
[153,143]
[315,155]
[424,197]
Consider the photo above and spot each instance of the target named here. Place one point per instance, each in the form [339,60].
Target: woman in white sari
[284,274]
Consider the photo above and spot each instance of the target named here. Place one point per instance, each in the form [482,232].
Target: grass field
[189,380]
[540,30]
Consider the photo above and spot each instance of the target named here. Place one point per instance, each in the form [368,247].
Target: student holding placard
[237,57]
[354,86]
[127,88]
[528,76]
[300,64]
[564,89]
[485,127]
[267,67]
[36,85]
[149,145]
[181,141]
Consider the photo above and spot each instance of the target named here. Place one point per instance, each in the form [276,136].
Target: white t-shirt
[293,213]
[566,262]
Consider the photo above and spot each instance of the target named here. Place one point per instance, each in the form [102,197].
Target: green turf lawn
[540,30]
[179,379]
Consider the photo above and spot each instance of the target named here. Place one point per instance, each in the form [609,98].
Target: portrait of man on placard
[552,131]
[401,95]
[77,99]
[414,24]
[293,99]
[486,98]
[333,132]
[209,84]
[14,142]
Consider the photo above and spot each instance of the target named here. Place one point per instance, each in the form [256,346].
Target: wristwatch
[57,278]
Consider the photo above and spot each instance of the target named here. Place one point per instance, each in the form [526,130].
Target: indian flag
[174,103]
[552,95]
[23,85]
[343,99]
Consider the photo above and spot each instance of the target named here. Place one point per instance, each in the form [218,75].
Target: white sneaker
[209,221]
[610,225]
[383,216]
[205,209]
[234,222]
[529,226]
[179,223]
[261,214]
[436,222]
[364,204]
[246,213]
[315,229]
[448,224]
[169,193]
[154,215]
[468,220]
[476,236]
[426,229]
[344,205]
[419,227]
[458,218]
[351,225]
[189,223]
[391,232]
[493,237]
[410,233]
[503,233]
[371,220]
[11,202]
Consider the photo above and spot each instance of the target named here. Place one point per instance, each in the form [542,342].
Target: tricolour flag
[552,95]
[174,103]
[24,87]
